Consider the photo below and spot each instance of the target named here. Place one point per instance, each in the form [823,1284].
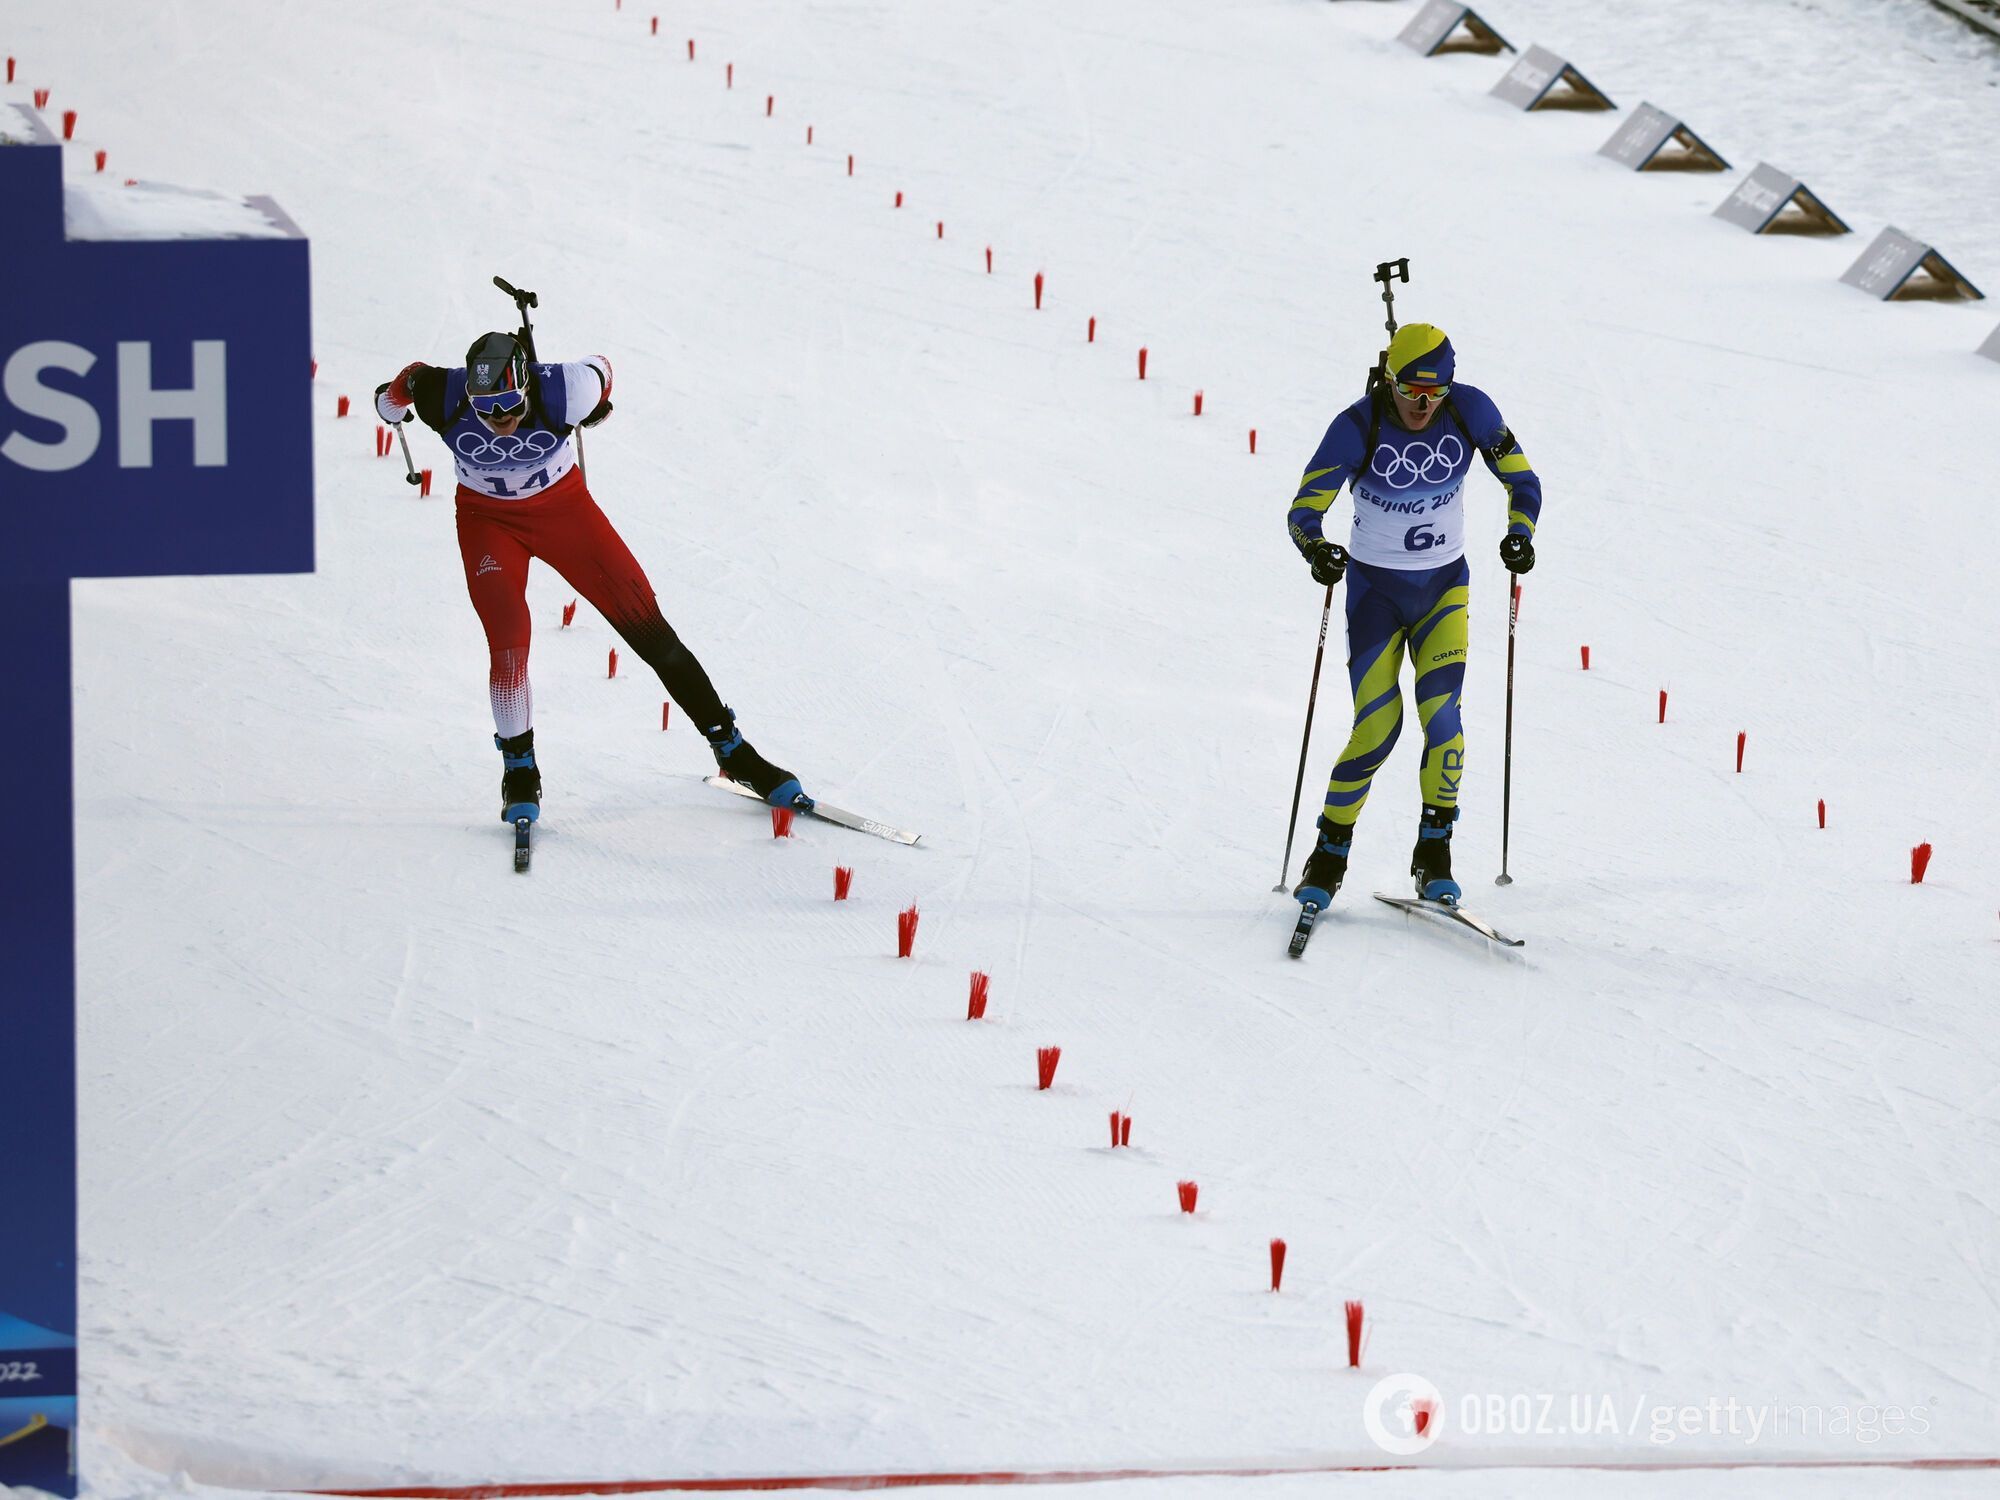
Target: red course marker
[1046,1059]
[1090,332]
[656,26]
[10,70]
[1188,1191]
[1822,812]
[940,224]
[612,669]
[340,407]
[1253,440]
[100,161]
[1125,1131]
[1354,1335]
[1277,1264]
[1741,736]
[1586,658]
[1142,362]
[569,613]
[69,124]
[906,931]
[1663,705]
[1038,291]
[690,49]
[666,713]
[770,103]
[1920,861]
[729,75]
[843,882]
[1197,403]
[989,260]
[41,98]
[975,1000]
[850,164]
[781,822]
[809,135]
[423,484]
[899,199]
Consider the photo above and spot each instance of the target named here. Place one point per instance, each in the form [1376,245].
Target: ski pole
[1507,756]
[1312,699]
[413,477]
[522,302]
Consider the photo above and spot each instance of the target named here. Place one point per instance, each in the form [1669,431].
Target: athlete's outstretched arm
[1338,457]
[417,385]
[585,387]
[1502,451]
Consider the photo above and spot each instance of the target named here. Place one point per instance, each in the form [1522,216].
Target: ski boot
[737,759]
[1430,862]
[1326,866]
[521,782]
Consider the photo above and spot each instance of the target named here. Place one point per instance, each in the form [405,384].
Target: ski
[836,815]
[1451,914]
[521,844]
[1301,934]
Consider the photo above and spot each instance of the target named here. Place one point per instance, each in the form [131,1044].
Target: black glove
[1329,561]
[1517,552]
[597,414]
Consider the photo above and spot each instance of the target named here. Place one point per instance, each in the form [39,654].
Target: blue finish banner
[155,369]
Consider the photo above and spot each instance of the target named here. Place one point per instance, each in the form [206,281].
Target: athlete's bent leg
[580,543]
[1437,652]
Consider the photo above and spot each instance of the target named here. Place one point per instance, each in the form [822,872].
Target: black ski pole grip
[529,298]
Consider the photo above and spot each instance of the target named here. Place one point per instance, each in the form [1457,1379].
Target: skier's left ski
[1308,914]
[825,814]
[1451,914]
[521,845]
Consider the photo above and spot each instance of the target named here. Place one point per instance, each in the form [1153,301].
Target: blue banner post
[155,418]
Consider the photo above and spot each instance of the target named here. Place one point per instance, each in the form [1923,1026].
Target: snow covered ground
[657,1163]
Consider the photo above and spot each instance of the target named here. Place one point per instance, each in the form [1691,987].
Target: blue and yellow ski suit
[1407,581]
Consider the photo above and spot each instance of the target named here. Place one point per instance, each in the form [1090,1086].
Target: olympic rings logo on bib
[492,450]
[1418,461]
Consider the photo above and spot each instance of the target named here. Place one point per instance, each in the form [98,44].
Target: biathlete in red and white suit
[509,423]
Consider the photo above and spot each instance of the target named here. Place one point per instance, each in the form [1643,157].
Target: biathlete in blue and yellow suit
[1406,448]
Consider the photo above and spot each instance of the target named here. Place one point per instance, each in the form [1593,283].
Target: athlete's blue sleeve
[1339,455]
[1498,446]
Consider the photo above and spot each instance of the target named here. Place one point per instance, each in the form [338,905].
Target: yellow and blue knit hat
[1420,354]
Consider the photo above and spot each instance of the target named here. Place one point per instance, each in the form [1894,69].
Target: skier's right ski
[1451,913]
[521,845]
[1308,914]
[825,813]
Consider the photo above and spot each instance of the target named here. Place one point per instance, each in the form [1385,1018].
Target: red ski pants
[566,530]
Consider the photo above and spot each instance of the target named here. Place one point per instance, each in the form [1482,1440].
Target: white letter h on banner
[140,405]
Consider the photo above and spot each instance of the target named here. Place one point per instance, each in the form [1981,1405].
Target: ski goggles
[1417,392]
[500,404]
